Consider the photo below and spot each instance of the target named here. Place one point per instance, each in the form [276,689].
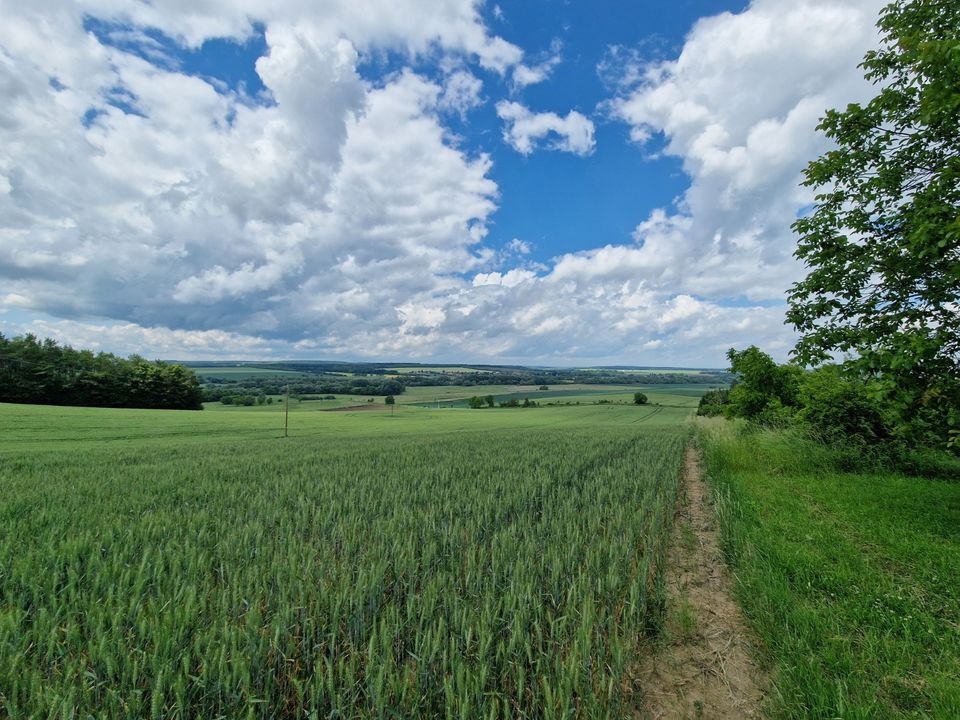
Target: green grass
[852,580]
[683,623]
[449,563]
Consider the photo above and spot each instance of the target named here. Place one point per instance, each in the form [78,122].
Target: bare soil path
[703,666]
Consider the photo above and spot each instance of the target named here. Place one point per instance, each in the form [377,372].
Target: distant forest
[340,378]
[43,372]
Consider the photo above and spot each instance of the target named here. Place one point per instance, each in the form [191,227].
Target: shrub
[837,409]
[712,402]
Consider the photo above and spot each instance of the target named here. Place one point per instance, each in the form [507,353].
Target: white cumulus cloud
[524,130]
[143,209]
[739,107]
[524,74]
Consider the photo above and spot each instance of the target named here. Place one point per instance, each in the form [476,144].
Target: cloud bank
[739,107]
[148,209]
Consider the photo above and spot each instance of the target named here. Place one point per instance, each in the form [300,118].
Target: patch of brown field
[703,666]
[359,408]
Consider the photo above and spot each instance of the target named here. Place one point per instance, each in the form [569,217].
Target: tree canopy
[763,390]
[43,372]
[881,244]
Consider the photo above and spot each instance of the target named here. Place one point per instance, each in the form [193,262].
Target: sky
[543,182]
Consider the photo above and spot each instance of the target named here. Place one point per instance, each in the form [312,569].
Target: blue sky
[556,202]
[539,182]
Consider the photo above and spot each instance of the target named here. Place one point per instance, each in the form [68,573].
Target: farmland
[247,372]
[435,562]
[457,396]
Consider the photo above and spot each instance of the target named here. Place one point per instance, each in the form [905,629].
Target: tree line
[217,389]
[43,372]
[830,403]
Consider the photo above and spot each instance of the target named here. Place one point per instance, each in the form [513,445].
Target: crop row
[495,575]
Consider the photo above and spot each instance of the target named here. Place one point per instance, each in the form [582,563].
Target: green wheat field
[430,563]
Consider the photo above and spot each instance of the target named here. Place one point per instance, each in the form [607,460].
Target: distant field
[655,371]
[458,396]
[339,401]
[431,563]
[445,369]
[246,373]
[39,428]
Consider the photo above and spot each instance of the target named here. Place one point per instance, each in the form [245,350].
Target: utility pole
[286,410]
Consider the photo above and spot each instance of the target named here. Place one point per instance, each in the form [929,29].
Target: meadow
[430,563]
[849,575]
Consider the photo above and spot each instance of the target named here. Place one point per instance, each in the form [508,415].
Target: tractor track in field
[656,411]
[703,665]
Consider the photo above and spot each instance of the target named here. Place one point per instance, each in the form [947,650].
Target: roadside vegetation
[833,406]
[847,572]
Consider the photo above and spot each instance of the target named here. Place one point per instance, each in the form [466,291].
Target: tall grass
[492,575]
[851,579]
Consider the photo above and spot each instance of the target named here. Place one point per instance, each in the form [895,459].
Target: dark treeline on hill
[42,372]
[216,389]
[327,378]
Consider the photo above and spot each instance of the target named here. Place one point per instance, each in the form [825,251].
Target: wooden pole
[286,411]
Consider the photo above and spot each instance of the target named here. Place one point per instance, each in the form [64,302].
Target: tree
[839,409]
[639,398]
[713,402]
[763,391]
[883,242]
[35,371]
[391,401]
[392,387]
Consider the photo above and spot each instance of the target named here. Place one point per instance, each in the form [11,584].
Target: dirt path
[703,667]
